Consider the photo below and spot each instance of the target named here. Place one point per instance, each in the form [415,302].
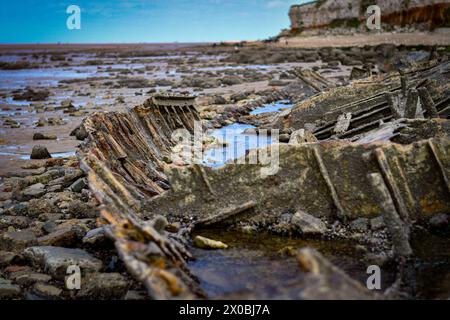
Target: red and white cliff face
[322,13]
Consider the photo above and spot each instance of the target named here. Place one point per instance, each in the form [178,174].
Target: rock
[134,295]
[173,227]
[30,94]
[15,221]
[67,104]
[439,221]
[358,73]
[40,206]
[239,96]
[44,178]
[288,251]
[360,224]
[216,99]
[278,83]
[284,138]
[103,286]
[40,152]
[50,217]
[8,290]
[34,191]
[288,131]
[81,226]
[49,226]
[80,209]
[307,224]
[302,136]
[55,188]
[42,136]
[378,259]
[65,237]
[205,243]
[71,175]
[56,260]
[47,291]
[6,258]
[54,162]
[5,196]
[95,236]
[15,269]
[79,185]
[18,209]
[29,278]
[17,240]
[160,223]
[80,133]
[377,223]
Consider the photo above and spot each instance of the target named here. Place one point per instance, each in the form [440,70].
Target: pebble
[6,258]
[29,278]
[56,260]
[205,243]
[440,221]
[95,236]
[65,237]
[40,152]
[17,240]
[34,191]
[360,224]
[307,224]
[104,286]
[79,185]
[46,290]
[18,222]
[42,136]
[377,223]
[8,290]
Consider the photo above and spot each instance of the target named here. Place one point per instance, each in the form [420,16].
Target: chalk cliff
[351,13]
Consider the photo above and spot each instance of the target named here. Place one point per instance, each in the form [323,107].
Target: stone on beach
[40,152]
[205,243]
[56,260]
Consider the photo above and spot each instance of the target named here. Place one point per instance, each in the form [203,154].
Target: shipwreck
[377,149]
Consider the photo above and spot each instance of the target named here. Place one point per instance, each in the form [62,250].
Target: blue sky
[33,21]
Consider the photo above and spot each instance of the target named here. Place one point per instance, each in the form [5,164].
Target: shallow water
[13,79]
[273,107]
[253,263]
[237,141]
[11,101]
[220,68]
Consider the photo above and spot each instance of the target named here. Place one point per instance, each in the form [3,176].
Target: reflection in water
[236,141]
[273,107]
[13,79]
[255,263]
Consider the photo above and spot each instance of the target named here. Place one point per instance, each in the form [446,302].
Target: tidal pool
[255,264]
[237,141]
